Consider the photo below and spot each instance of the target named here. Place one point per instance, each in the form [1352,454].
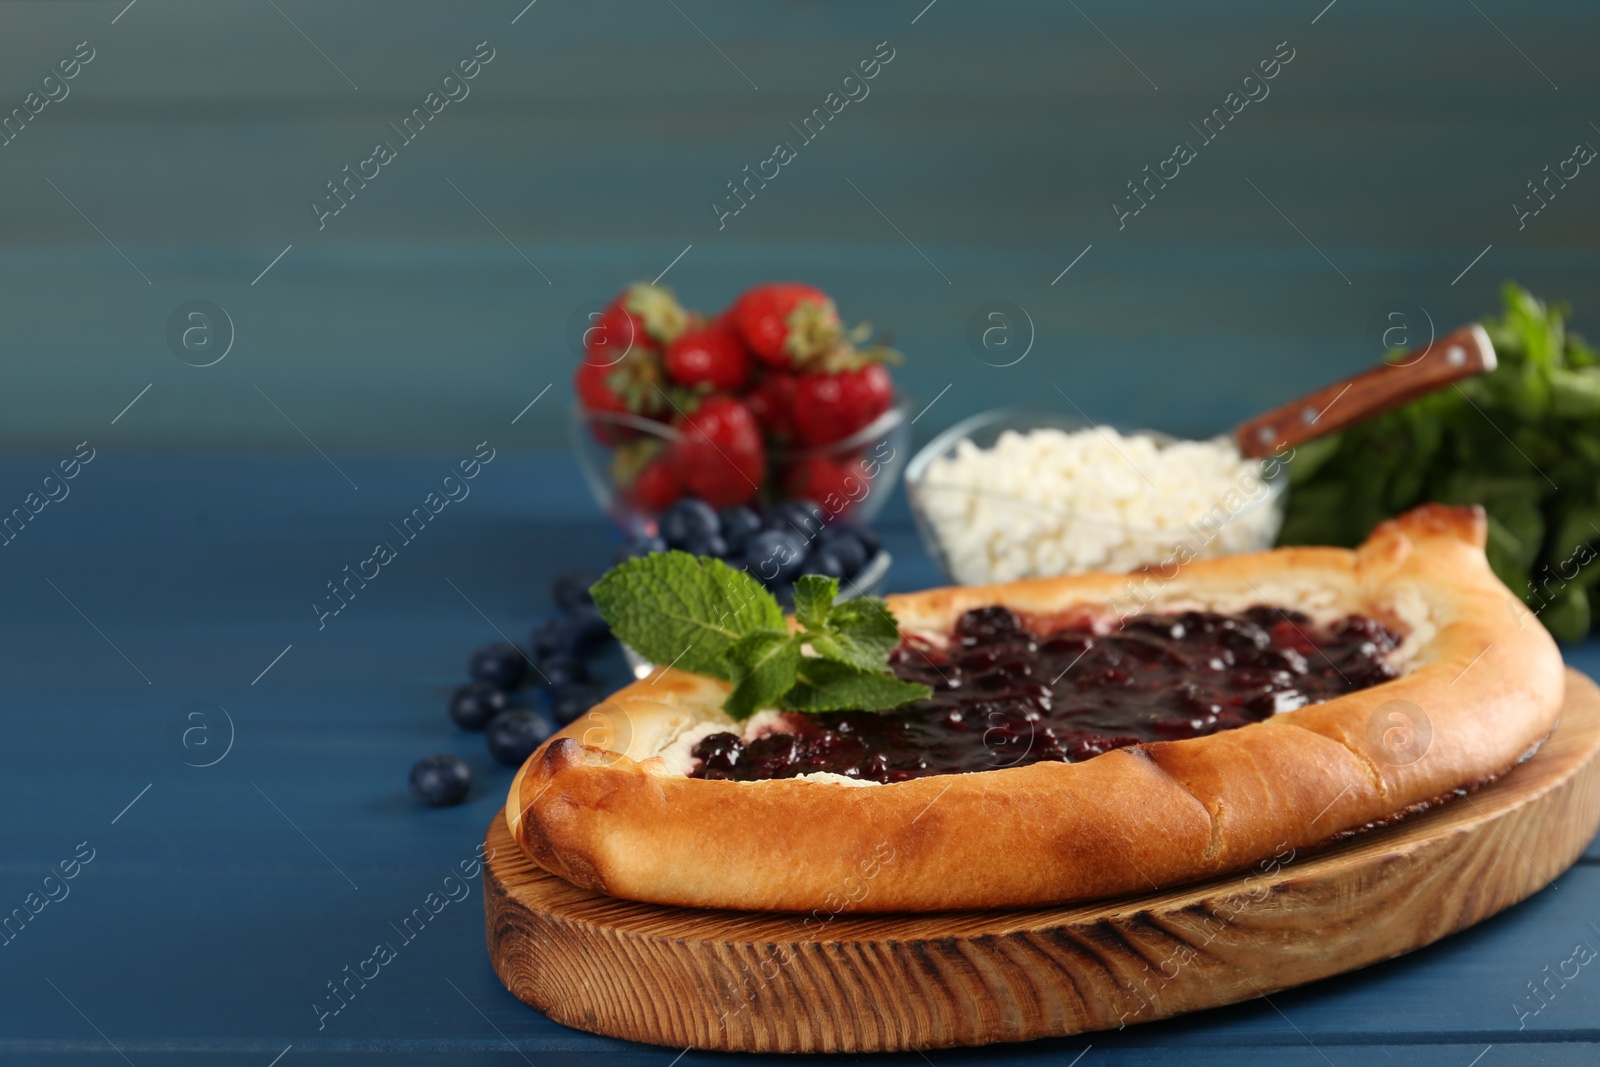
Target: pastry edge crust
[1488,681]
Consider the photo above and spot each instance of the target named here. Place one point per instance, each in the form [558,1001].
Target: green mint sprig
[700,615]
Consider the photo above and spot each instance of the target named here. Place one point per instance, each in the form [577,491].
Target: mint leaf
[671,607]
[763,666]
[702,616]
[824,685]
[813,599]
[860,633]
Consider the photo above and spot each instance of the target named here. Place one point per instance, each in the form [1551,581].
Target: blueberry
[440,781]
[802,517]
[554,638]
[572,700]
[847,548]
[634,547]
[474,704]
[688,521]
[563,670]
[568,636]
[833,531]
[826,562]
[588,627]
[775,555]
[708,545]
[738,524]
[869,539]
[570,590]
[501,665]
[514,734]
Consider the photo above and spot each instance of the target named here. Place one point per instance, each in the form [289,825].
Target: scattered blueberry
[738,525]
[501,666]
[474,704]
[688,521]
[571,590]
[642,545]
[440,781]
[553,638]
[775,556]
[588,627]
[563,670]
[569,701]
[513,735]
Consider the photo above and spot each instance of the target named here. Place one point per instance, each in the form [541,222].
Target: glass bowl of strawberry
[771,400]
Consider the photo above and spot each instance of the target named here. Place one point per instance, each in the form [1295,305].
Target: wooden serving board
[763,982]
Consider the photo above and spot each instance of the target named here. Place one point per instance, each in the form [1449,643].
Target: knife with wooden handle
[1447,360]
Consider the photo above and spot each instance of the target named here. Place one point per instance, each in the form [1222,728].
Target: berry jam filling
[1004,696]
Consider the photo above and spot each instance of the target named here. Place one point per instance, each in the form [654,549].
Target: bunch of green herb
[1522,440]
[702,616]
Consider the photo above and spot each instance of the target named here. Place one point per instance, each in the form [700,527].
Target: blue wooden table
[221,900]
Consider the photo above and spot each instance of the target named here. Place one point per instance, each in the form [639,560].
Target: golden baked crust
[599,807]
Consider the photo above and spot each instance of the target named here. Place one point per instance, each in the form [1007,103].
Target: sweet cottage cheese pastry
[1068,747]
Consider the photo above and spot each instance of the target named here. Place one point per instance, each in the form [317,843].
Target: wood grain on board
[765,982]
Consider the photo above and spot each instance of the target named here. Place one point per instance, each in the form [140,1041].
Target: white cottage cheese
[1051,502]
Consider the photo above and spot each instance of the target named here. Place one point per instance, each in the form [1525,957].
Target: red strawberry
[612,335]
[643,474]
[829,407]
[656,488]
[642,316]
[836,485]
[772,403]
[718,457]
[787,324]
[713,355]
[630,386]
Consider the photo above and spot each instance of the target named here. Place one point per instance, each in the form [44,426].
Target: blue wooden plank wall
[1380,161]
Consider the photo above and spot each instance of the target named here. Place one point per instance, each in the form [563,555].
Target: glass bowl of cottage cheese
[1011,493]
